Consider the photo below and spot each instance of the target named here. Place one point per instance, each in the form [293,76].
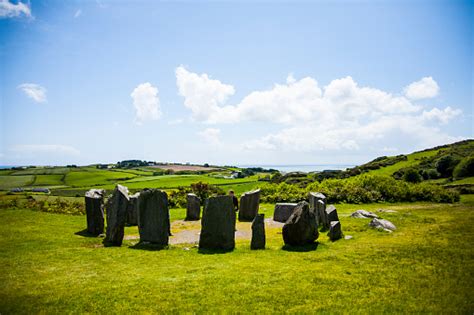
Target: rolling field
[425,266]
[7,182]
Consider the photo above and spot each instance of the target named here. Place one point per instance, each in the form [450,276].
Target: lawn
[425,266]
[48,180]
[7,182]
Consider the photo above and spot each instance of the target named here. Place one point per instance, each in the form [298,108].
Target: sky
[232,82]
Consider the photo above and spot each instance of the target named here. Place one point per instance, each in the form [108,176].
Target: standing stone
[331,214]
[301,227]
[116,216]
[94,199]
[258,232]
[317,204]
[249,205]
[132,210]
[153,217]
[335,231]
[193,207]
[283,211]
[218,224]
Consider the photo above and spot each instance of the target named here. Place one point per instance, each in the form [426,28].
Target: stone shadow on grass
[208,251]
[301,248]
[148,246]
[85,233]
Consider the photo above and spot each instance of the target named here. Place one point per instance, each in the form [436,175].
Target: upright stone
[153,217]
[193,207]
[317,204]
[116,216]
[94,199]
[335,231]
[301,227]
[331,214]
[283,211]
[258,232]
[218,224]
[249,205]
[132,210]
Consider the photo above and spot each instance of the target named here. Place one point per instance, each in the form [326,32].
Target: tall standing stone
[249,203]
[132,210]
[94,199]
[116,216]
[153,217]
[335,231]
[193,207]
[301,227]
[258,232]
[218,224]
[317,204]
[283,211]
[331,214]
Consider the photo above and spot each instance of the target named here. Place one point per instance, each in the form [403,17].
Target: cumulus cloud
[34,91]
[425,88]
[78,13]
[45,148]
[339,116]
[9,9]
[146,103]
[211,135]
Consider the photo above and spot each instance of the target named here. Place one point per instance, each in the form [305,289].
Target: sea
[303,168]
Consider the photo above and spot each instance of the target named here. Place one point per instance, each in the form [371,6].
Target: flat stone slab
[363,214]
[382,224]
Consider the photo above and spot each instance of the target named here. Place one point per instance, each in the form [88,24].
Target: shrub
[412,176]
[446,164]
[465,168]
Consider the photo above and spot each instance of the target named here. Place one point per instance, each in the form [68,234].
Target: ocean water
[303,168]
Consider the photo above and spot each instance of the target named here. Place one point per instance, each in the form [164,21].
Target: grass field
[7,182]
[425,266]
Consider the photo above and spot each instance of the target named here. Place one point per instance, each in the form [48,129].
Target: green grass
[48,180]
[425,266]
[465,181]
[42,171]
[7,182]
[85,177]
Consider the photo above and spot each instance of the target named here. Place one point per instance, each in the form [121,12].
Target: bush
[412,176]
[465,168]
[446,164]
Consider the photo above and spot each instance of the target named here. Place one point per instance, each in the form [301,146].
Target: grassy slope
[427,265]
[7,182]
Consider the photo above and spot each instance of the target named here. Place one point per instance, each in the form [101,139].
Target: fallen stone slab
[363,214]
[301,227]
[153,217]
[249,203]
[382,224]
[258,232]
[116,208]
[94,200]
[283,211]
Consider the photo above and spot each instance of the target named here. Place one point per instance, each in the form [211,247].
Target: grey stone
[258,232]
[153,217]
[116,208]
[94,200]
[363,214]
[218,224]
[382,224]
[335,231]
[331,215]
[283,211]
[348,237]
[249,203]
[317,204]
[132,210]
[301,228]
[193,207]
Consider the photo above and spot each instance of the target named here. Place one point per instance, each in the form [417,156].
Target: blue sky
[232,82]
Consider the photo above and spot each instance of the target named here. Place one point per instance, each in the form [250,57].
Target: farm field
[425,266]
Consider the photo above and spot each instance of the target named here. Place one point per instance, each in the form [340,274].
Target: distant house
[236,174]
[16,190]
[41,190]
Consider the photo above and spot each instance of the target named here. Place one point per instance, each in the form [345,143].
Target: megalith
[317,204]
[335,231]
[283,211]
[132,210]
[249,203]
[153,217]
[94,200]
[116,209]
[218,224]
[258,232]
[301,228]
[193,207]
[331,214]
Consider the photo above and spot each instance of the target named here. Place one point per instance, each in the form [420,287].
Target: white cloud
[175,122]
[211,135]
[442,115]
[34,91]
[146,103]
[425,88]
[78,13]
[8,9]
[45,148]
[339,116]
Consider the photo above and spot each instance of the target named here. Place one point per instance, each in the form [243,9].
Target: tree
[412,176]
[465,168]
[446,164]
